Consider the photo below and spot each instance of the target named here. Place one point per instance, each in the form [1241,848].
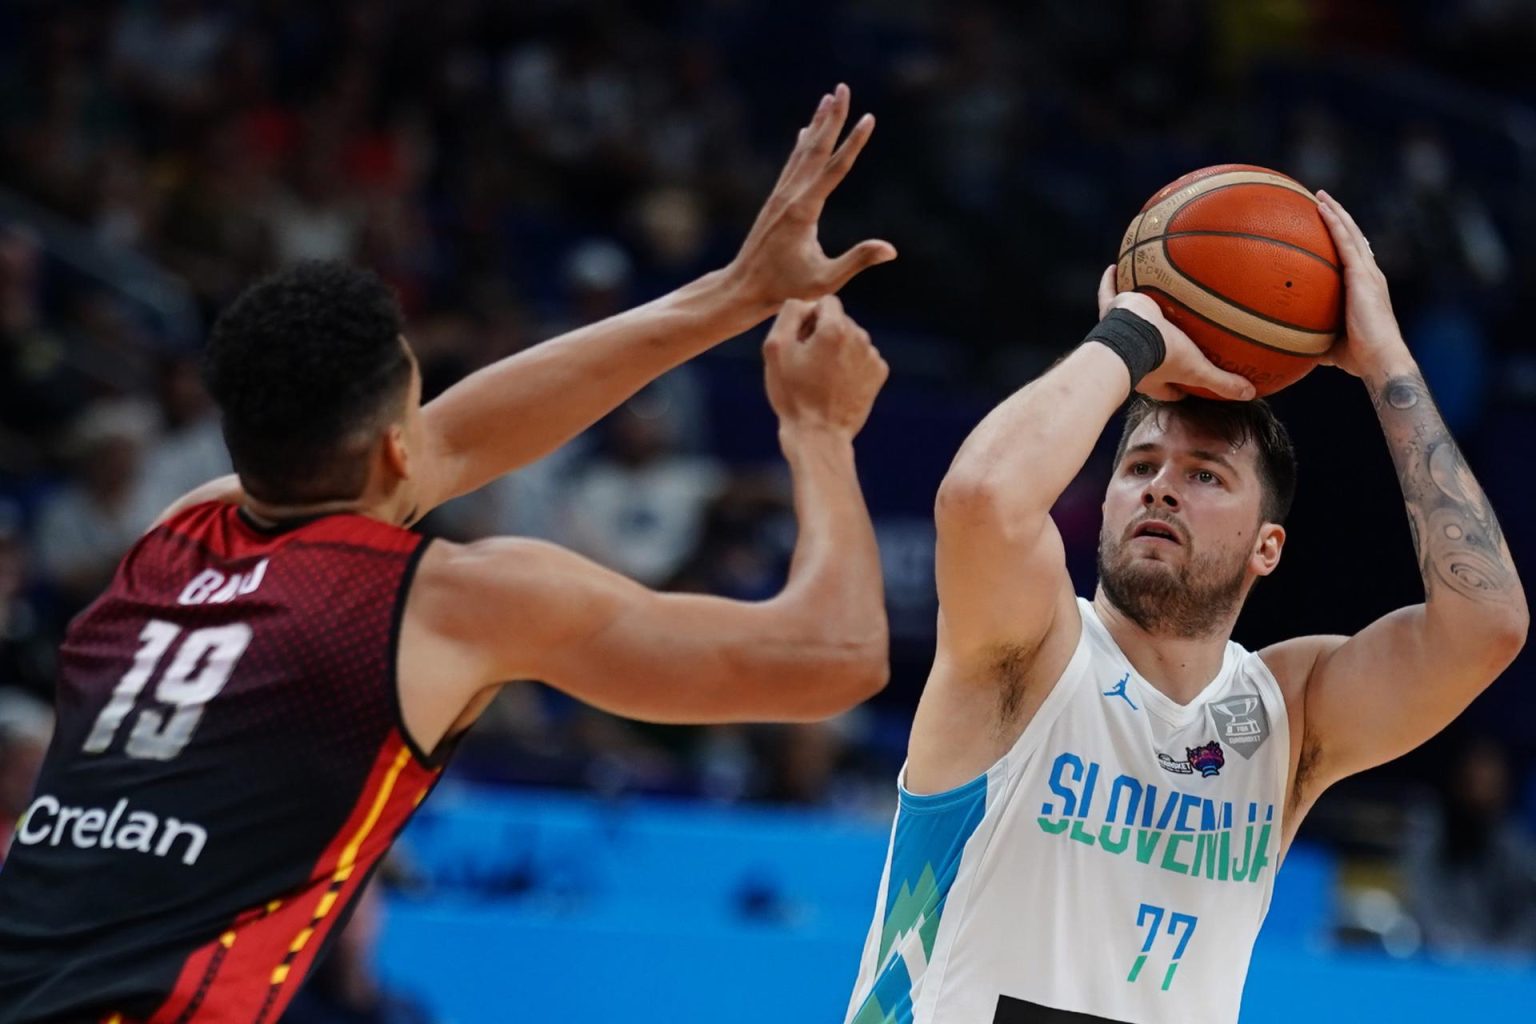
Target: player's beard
[1190,600]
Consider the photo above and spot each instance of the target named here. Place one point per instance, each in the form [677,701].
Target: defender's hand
[822,370]
[1184,366]
[1371,334]
[782,258]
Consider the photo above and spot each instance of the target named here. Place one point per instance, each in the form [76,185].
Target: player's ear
[1266,549]
[397,454]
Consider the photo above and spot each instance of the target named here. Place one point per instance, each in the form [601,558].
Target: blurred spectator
[26,726]
[640,507]
[1470,864]
[85,528]
[26,643]
[314,217]
[39,391]
[190,449]
[598,275]
[345,987]
[743,550]
[164,51]
[673,234]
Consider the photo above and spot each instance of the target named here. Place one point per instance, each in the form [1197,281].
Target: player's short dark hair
[1238,423]
[306,366]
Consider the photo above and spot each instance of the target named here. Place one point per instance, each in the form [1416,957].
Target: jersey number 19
[201,668]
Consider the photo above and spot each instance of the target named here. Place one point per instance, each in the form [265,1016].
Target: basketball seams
[1204,318]
[1208,233]
[1168,208]
[1238,321]
[1227,300]
[1207,174]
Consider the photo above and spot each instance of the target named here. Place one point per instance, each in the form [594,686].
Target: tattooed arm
[1377,695]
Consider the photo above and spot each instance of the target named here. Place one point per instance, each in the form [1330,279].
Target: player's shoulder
[494,605]
[489,562]
[224,490]
[1293,661]
[459,586]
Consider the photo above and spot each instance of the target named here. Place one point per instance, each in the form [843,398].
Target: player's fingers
[1343,241]
[841,163]
[1107,285]
[1349,220]
[1347,236]
[857,260]
[1162,392]
[1227,385]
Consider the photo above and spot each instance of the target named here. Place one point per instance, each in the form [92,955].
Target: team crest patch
[1242,723]
[1207,759]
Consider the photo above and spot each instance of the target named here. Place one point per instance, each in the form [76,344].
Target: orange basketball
[1240,259]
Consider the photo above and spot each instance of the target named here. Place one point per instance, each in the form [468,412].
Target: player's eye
[1205,476]
[1141,468]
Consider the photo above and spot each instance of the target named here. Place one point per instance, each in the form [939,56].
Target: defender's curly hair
[306,367]
[1238,423]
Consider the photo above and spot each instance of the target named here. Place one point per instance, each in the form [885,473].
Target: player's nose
[1158,494]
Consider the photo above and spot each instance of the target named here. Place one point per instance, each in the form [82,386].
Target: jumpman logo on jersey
[1118,690]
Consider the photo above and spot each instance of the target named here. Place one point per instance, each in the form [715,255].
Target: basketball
[1239,258]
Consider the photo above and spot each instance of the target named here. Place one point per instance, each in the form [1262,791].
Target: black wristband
[1132,338]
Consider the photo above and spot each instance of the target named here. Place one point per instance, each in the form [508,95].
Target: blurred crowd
[517,169]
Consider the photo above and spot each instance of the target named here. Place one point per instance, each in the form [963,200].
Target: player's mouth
[1157,531]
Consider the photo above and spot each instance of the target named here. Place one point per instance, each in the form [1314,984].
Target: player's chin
[1160,557]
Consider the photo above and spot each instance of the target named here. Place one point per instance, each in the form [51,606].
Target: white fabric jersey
[1115,865]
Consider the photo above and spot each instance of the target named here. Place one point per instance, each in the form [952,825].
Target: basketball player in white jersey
[1098,793]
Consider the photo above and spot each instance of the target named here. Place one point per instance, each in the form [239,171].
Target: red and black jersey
[228,767]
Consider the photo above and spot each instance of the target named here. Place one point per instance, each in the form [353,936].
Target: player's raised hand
[1370,327]
[782,257]
[821,367]
[1184,368]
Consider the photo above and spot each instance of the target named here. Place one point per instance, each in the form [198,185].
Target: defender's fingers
[855,261]
[791,162]
[823,134]
[805,142]
[791,320]
[842,160]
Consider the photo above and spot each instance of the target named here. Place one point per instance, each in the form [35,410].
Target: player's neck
[268,513]
[1179,667]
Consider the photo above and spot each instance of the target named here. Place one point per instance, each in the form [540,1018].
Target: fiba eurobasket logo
[1242,723]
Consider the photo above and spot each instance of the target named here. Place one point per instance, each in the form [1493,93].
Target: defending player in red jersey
[269,686]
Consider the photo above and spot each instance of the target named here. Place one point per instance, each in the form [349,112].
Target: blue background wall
[549,908]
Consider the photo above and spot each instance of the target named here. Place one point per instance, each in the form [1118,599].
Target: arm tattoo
[1459,542]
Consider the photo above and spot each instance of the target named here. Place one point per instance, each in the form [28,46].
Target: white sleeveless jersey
[1115,865]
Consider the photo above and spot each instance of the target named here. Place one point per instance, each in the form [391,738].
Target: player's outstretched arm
[1377,695]
[529,404]
[517,609]
[1001,569]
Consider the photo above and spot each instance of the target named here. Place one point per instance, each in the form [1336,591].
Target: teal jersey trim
[931,833]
